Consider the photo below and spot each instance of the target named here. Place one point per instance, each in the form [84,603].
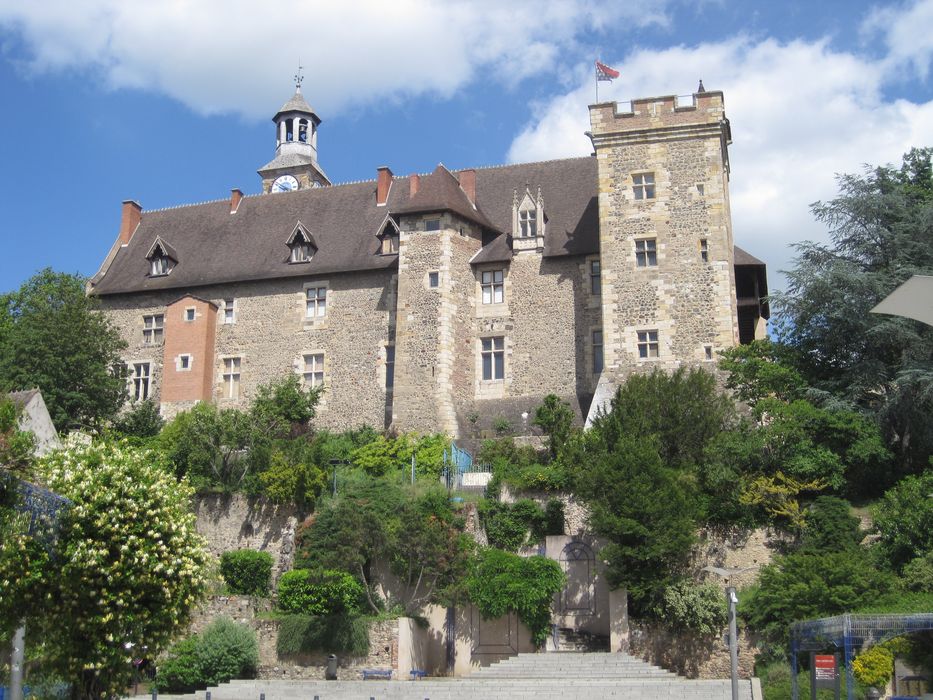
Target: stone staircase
[556,676]
[574,640]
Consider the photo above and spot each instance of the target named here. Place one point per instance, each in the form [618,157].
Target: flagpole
[596,75]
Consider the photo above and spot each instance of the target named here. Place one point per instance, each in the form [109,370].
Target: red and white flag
[604,72]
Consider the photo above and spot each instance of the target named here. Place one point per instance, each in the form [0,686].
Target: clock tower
[295,164]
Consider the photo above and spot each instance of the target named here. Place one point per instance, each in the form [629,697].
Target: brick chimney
[383,183]
[132,215]
[414,182]
[236,194]
[468,184]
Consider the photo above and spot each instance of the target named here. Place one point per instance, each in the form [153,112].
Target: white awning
[913,299]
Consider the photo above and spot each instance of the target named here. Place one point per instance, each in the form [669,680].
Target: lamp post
[733,641]
[334,463]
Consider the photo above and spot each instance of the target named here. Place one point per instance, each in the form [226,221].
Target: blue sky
[170,102]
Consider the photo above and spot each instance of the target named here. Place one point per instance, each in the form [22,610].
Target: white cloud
[801,112]
[907,36]
[239,55]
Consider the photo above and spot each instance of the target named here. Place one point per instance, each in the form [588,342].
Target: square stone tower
[665,234]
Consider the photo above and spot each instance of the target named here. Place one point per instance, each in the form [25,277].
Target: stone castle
[444,301]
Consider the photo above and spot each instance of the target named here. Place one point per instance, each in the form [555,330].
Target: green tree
[52,336]
[285,407]
[223,651]
[804,586]
[831,527]
[881,233]
[762,369]
[128,566]
[555,418]
[679,411]
[904,520]
[643,509]
[142,420]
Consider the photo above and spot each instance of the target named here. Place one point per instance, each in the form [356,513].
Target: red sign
[825,666]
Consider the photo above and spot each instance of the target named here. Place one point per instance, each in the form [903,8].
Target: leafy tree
[376,520]
[681,411]
[555,418]
[688,606]
[501,582]
[388,454]
[644,512]
[904,520]
[762,369]
[881,233]
[127,569]
[285,407]
[831,527]
[210,445]
[142,420]
[804,586]
[17,446]
[52,336]
[918,574]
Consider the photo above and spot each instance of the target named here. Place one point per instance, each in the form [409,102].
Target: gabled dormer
[301,244]
[528,221]
[162,258]
[388,236]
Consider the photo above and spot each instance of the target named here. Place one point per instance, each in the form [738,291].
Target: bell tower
[295,164]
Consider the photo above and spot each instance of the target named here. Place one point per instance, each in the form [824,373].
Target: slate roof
[441,191]
[213,246]
[297,103]
[744,258]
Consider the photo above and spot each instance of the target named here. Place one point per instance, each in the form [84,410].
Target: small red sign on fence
[825,666]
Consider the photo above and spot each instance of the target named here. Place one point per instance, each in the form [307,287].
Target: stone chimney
[236,194]
[414,182]
[468,184]
[129,221]
[383,183]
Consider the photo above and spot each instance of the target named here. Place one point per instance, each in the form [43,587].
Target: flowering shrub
[126,571]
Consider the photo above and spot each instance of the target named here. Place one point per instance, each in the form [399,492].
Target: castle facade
[446,301]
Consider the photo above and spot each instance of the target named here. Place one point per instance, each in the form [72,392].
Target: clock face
[285,183]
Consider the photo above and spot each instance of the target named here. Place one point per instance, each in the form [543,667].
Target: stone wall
[690,656]
[271,334]
[234,521]
[383,641]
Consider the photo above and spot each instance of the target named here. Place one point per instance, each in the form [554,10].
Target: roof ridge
[189,204]
[515,165]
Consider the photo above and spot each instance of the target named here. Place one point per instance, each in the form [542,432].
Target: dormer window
[301,245]
[389,238]
[161,257]
[528,220]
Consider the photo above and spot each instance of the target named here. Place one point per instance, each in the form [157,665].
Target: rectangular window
[643,185]
[315,302]
[189,314]
[646,252]
[596,285]
[153,327]
[232,377]
[647,344]
[390,367]
[301,251]
[314,369]
[160,266]
[228,311]
[597,352]
[184,363]
[432,225]
[708,352]
[493,354]
[528,220]
[434,279]
[141,376]
[704,250]
[493,287]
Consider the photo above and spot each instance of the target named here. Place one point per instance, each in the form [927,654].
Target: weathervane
[298,76]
